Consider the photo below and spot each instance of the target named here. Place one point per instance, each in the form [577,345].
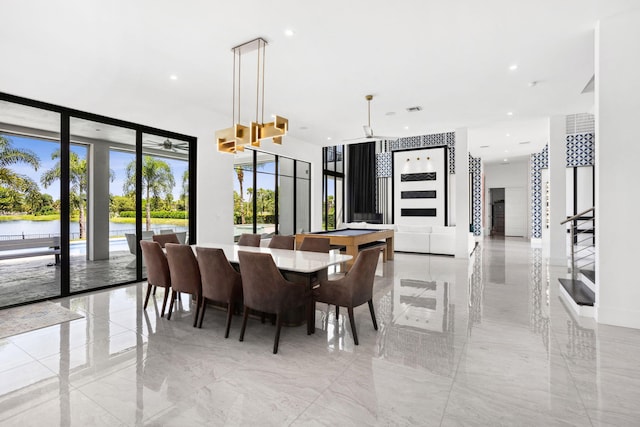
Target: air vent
[580,123]
[484,146]
[524,142]
[414,109]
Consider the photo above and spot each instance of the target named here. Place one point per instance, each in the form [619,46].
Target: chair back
[163,239]
[361,276]
[283,242]
[183,268]
[156,262]
[247,239]
[167,231]
[315,244]
[220,281]
[262,283]
[147,235]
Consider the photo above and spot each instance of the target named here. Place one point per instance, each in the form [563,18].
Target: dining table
[295,265]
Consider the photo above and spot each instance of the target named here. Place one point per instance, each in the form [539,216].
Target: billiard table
[353,239]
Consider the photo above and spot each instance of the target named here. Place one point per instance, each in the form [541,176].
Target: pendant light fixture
[235,138]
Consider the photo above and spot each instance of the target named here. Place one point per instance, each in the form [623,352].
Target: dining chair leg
[307,311]
[146,298]
[195,315]
[353,325]
[155,288]
[337,311]
[373,315]
[278,327]
[229,314]
[173,298]
[203,307]
[164,300]
[245,316]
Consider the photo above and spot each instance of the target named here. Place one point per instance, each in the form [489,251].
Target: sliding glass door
[77,193]
[29,204]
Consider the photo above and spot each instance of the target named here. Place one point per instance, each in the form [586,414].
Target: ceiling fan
[168,145]
[368,131]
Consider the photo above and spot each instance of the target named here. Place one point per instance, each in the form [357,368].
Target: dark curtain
[361,178]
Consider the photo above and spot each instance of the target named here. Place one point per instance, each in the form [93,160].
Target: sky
[118,161]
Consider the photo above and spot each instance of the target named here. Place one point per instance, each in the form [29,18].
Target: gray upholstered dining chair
[163,239]
[315,244]
[185,275]
[353,289]
[265,290]
[157,271]
[282,242]
[220,282]
[247,239]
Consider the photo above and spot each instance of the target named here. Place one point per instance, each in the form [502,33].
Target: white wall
[617,86]
[514,178]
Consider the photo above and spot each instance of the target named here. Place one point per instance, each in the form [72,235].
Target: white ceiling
[450,57]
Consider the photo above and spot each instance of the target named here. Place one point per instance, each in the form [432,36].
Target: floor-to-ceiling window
[77,191]
[29,204]
[332,187]
[271,194]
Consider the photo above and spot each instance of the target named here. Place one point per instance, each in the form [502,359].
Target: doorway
[497,211]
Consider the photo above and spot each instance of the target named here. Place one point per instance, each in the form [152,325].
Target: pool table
[352,239]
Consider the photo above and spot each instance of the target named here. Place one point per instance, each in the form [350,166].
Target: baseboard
[618,317]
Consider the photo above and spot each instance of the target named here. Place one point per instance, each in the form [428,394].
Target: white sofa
[425,239]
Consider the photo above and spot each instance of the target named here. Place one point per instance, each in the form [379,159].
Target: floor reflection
[523,358]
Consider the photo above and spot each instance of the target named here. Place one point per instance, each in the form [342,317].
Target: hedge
[157,214]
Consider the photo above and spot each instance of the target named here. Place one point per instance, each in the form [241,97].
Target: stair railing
[582,231]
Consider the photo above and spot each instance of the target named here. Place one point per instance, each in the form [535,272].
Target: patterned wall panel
[433,140]
[580,149]
[383,165]
[539,161]
[475,168]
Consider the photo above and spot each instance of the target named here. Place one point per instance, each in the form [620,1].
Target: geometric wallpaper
[539,161]
[433,140]
[579,149]
[475,169]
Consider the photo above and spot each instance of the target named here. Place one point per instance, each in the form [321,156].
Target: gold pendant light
[235,138]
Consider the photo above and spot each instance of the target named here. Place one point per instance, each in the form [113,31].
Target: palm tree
[77,183]
[157,180]
[9,155]
[240,175]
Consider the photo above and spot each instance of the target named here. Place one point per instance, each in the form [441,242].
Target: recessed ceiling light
[288,32]
[506,160]
[508,135]
[173,77]
[506,151]
[406,128]
[513,67]
[510,113]
[328,138]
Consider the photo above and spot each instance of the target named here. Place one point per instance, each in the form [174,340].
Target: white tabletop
[296,261]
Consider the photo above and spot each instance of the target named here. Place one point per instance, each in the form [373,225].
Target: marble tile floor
[34,278]
[483,343]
